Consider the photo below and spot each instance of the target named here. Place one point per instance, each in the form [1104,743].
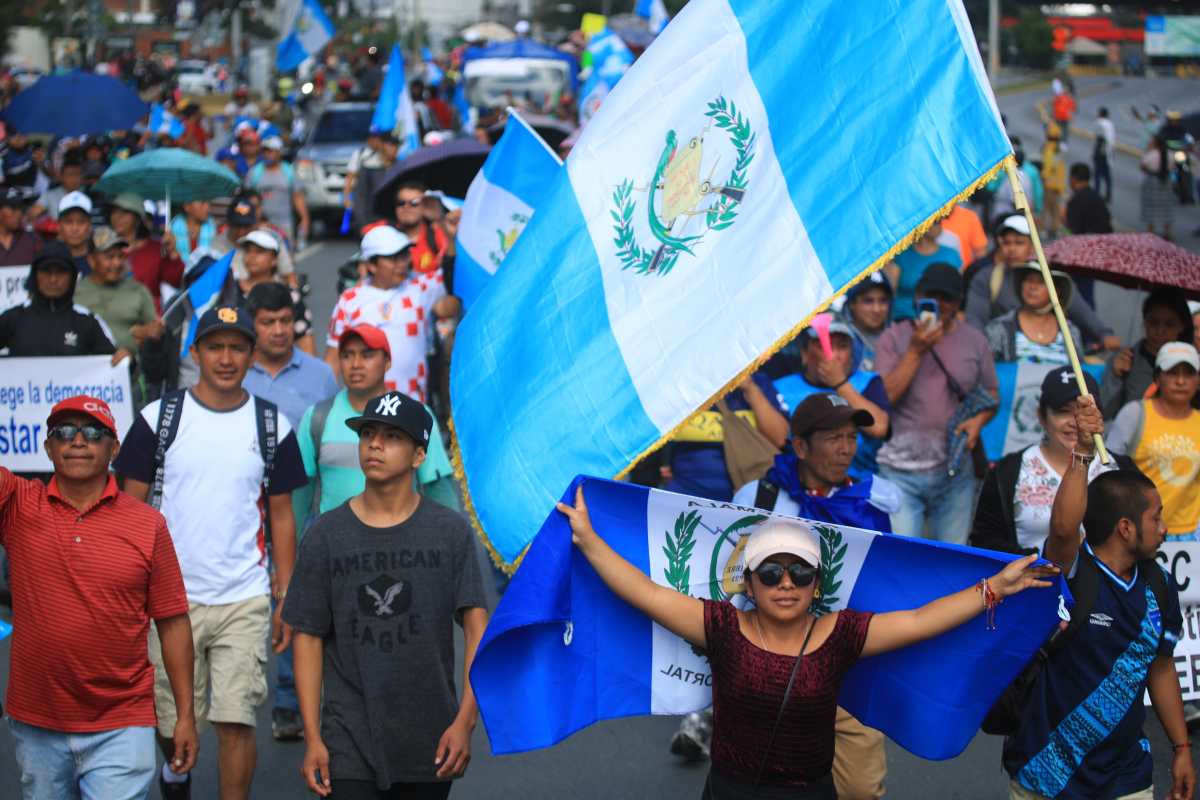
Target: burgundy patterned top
[748,685]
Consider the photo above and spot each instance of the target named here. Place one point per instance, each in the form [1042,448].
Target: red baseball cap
[372,337]
[93,407]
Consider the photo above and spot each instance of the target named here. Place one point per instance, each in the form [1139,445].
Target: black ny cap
[399,411]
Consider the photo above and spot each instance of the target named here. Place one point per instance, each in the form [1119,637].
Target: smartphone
[927,312]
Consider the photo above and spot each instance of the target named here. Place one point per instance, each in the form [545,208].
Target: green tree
[1034,39]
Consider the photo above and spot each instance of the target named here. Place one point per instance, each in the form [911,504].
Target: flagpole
[1022,204]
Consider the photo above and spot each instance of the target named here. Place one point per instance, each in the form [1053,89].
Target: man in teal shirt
[364,358]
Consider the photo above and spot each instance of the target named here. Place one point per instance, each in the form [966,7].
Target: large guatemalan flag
[562,651]
[755,161]
[500,203]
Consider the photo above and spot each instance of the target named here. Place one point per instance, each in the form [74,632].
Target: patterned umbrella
[1128,259]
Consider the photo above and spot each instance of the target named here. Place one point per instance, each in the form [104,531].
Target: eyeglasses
[771,573]
[92,433]
[415,202]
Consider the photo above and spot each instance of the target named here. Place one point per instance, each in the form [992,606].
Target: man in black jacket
[49,323]
[1013,513]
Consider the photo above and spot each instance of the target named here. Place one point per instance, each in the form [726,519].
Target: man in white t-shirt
[221,464]
[399,302]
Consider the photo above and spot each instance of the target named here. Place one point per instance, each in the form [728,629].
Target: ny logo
[389,404]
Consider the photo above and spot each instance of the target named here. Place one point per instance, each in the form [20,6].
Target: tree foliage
[1034,38]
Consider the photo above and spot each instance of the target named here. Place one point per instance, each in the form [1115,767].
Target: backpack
[1004,717]
[266,415]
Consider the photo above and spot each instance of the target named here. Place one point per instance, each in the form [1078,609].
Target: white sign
[1187,654]
[12,287]
[1182,560]
[29,388]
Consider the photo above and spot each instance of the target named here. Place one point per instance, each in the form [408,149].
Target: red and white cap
[371,336]
[1172,354]
[782,536]
[93,407]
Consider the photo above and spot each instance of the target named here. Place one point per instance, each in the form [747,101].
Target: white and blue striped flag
[204,293]
[654,12]
[562,651]
[1016,424]
[610,59]
[394,111]
[309,32]
[727,190]
[500,202]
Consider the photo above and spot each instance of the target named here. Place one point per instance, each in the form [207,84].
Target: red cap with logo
[92,407]
[372,337]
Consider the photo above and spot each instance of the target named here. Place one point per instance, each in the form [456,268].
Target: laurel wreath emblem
[833,553]
[726,116]
[678,551]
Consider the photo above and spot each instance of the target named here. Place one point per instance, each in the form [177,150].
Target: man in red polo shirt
[90,567]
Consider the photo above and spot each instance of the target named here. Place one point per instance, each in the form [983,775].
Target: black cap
[242,213]
[55,252]
[941,278]
[823,411]
[15,195]
[225,318]
[1059,387]
[399,411]
[876,280]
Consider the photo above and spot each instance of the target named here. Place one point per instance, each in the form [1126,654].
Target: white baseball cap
[383,241]
[782,536]
[1172,354]
[261,238]
[1016,223]
[272,143]
[73,200]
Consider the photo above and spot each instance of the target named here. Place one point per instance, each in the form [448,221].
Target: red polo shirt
[85,587]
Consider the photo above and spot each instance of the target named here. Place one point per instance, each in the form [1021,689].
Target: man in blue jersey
[841,375]
[1080,734]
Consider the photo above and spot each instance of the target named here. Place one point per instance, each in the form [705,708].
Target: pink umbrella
[1128,259]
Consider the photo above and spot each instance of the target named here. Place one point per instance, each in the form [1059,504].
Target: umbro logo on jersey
[1103,620]
[71,339]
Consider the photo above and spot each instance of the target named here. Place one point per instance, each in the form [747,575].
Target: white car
[197,77]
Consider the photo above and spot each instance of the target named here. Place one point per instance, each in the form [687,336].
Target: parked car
[337,131]
[197,77]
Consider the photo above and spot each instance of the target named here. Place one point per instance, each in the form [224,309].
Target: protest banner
[30,387]
[1179,559]
[12,287]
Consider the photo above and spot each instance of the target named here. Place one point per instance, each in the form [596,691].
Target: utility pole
[993,38]
[235,38]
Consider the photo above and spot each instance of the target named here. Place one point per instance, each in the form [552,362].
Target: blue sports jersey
[1081,733]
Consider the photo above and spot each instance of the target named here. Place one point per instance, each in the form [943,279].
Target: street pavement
[628,758]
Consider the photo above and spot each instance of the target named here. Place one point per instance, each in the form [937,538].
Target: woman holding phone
[777,668]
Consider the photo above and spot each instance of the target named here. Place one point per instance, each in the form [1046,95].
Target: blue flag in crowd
[204,293]
[309,32]
[499,204]
[610,60]
[163,121]
[727,189]
[433,73]
[562,652]
[654,12]
[394,111]
[1016,425]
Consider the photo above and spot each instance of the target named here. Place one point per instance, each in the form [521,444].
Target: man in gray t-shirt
[275,181]
[379,582]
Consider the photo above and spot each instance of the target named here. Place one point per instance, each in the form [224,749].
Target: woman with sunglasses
[773,716]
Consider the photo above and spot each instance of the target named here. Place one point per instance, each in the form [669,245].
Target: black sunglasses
[92,433]
[771,573]
[416,201]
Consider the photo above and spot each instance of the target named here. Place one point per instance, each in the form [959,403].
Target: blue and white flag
[727,190]
[310,31]
[163,121]
[610,59]
[499,204]
[394,111]
[204,293]
[655,14]
[562,651]
[1016,424]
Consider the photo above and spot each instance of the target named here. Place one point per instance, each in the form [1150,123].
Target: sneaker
[692,738]
[1191,714]
[175,791]
[286,725]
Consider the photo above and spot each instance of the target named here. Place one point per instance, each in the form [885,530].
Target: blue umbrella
[75,104]
[178,175]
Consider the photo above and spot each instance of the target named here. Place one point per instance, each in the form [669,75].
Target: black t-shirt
[1088,213]
[384,601]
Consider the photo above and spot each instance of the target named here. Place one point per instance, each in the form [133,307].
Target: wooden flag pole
[1022,204]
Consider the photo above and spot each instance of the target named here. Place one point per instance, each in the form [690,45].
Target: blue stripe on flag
[515,163]
[861,106]
[1000,437]
[564,318]
[470,278]
[203,293]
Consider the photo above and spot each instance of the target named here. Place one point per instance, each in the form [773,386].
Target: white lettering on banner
[12,287]
[29,388]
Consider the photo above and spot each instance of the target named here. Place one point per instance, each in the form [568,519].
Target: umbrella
[75,104]
[1128,259]
[449,167]
[169,172]
[552,130]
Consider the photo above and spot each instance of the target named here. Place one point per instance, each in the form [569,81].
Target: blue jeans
[934,505]
[110,765]
[285,678]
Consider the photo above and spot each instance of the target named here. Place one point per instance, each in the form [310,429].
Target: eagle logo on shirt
[384,597]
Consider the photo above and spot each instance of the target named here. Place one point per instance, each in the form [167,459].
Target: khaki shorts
[1018,792]
[859,759]
[231,663]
